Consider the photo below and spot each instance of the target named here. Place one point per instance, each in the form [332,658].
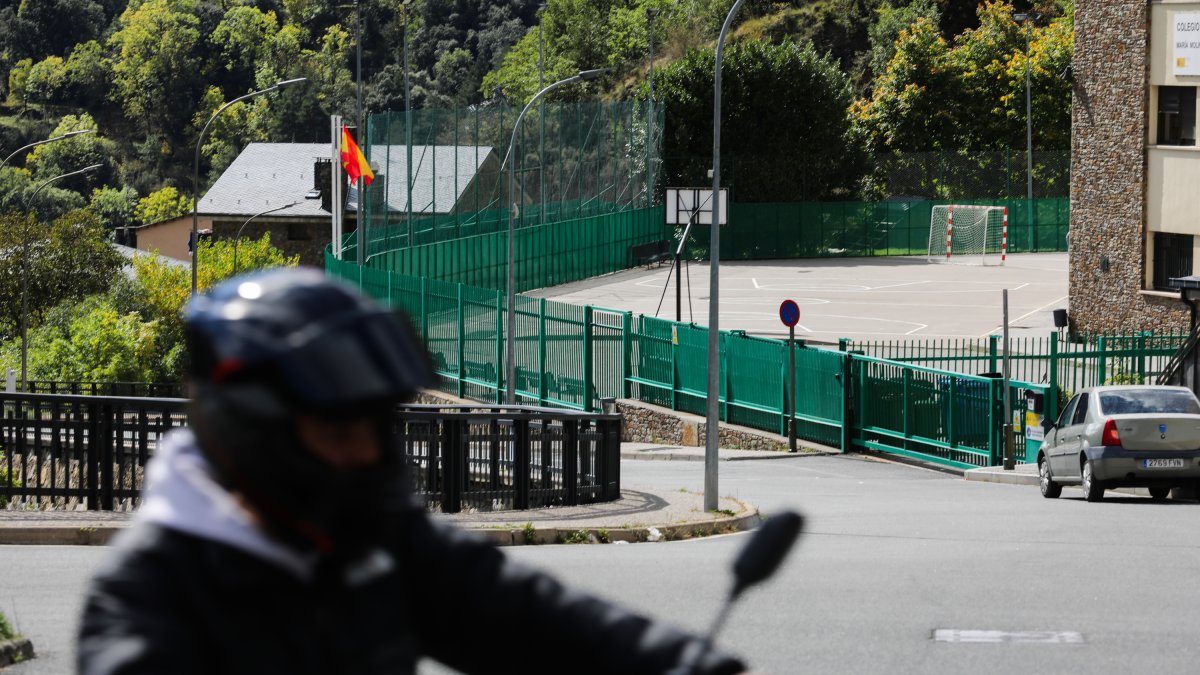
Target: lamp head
[593,74]
[287,83]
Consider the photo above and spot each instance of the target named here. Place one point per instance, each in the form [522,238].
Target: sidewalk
[641,514]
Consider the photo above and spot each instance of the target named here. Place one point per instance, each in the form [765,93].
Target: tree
[163,289]
[885,30]
[47,81]
[90,341]
[67,260]
[912,105]
[157,64]
[72,154]
[114,208]
[161,205]
[784,109]
[87,76]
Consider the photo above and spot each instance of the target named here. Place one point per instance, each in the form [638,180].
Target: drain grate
[999,636]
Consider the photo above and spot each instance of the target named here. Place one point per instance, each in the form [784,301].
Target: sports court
[876,298]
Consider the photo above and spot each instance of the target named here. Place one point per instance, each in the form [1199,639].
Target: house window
[1172,258]
[1176,115]
[299,232]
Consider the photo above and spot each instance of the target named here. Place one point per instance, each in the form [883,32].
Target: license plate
[1162,463]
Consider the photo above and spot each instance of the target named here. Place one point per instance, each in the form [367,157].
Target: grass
[6,629]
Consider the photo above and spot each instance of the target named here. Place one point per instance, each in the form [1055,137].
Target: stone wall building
[1135,167]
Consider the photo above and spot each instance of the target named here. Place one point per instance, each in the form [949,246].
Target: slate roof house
[297,177]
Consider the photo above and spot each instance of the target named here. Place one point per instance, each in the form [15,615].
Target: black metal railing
[70,451]
[67,451]
[153,389]
[519,457]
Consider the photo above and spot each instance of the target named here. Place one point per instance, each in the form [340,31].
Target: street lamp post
[25,268]
[238,237]
[510,162]
[408,179]
[541,121]
[1027,18]
[713,418]
[196,167]
[651,12]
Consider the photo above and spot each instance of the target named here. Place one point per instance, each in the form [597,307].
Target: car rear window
[1148,401]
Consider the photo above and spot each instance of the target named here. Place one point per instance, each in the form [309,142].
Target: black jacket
[177,599]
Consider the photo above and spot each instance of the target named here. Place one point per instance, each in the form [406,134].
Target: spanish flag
[353,160]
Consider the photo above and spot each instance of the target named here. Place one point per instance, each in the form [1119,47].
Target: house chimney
[323,181]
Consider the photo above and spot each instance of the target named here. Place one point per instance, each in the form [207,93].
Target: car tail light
[1110,436]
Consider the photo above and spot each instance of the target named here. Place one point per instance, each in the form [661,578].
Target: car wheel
[1050,489]
[1159,494]
[1093,491]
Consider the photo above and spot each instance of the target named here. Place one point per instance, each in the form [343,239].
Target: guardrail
[70,452]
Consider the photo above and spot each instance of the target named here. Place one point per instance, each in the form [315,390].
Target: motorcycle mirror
[766,550]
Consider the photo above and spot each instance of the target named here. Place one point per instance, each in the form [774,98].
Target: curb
[16,650]
[522,536]
[58,536]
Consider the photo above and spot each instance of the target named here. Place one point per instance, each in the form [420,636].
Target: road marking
[1027,314]
[1002,636]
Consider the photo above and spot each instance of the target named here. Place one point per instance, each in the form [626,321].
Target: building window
[1176,115]
[1172,258]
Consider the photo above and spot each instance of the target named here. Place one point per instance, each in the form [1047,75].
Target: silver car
[1123,436]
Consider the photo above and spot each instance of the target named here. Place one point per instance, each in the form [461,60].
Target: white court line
[1018,319]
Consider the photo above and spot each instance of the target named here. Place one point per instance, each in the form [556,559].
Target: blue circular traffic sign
[789,313]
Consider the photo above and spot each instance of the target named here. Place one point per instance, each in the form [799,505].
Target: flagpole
[336,134]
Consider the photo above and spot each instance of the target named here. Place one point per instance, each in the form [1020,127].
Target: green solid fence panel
[755,381]
[761,231]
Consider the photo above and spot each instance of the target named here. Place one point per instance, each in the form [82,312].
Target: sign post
[789,314]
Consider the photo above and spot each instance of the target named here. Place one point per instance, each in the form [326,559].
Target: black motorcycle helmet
[268,346]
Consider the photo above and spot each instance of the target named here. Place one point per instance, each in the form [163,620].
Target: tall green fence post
[462,332]
[993,342]
[847,408]
[784,391]
[424,304]
[906,402]
[541,351]
[952,392]
[587,358]
[627,353]
[1102,359]
[674,366]
[1141,356]
[500,362]
[723,364]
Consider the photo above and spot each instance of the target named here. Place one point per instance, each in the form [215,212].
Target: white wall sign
[1187,43]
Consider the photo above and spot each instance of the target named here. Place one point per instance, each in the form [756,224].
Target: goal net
[968,234]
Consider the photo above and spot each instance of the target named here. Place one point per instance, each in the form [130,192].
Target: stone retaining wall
[646,423]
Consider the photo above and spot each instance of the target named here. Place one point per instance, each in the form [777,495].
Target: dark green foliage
[784,122]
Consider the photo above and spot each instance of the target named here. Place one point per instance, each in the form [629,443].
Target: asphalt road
[891,554]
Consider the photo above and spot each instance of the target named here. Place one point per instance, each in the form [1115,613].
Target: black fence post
[521,452]
[452,465]
[91,478]
[570,455]
[104,426]
[610,462]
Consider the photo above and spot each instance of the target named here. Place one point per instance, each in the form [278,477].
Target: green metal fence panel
[1070,366]
[762,231]
[819,395]
[934,415]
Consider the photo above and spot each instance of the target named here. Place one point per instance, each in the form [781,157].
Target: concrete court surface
[878,298]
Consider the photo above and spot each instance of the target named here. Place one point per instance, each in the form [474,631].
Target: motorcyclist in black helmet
[276,535]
